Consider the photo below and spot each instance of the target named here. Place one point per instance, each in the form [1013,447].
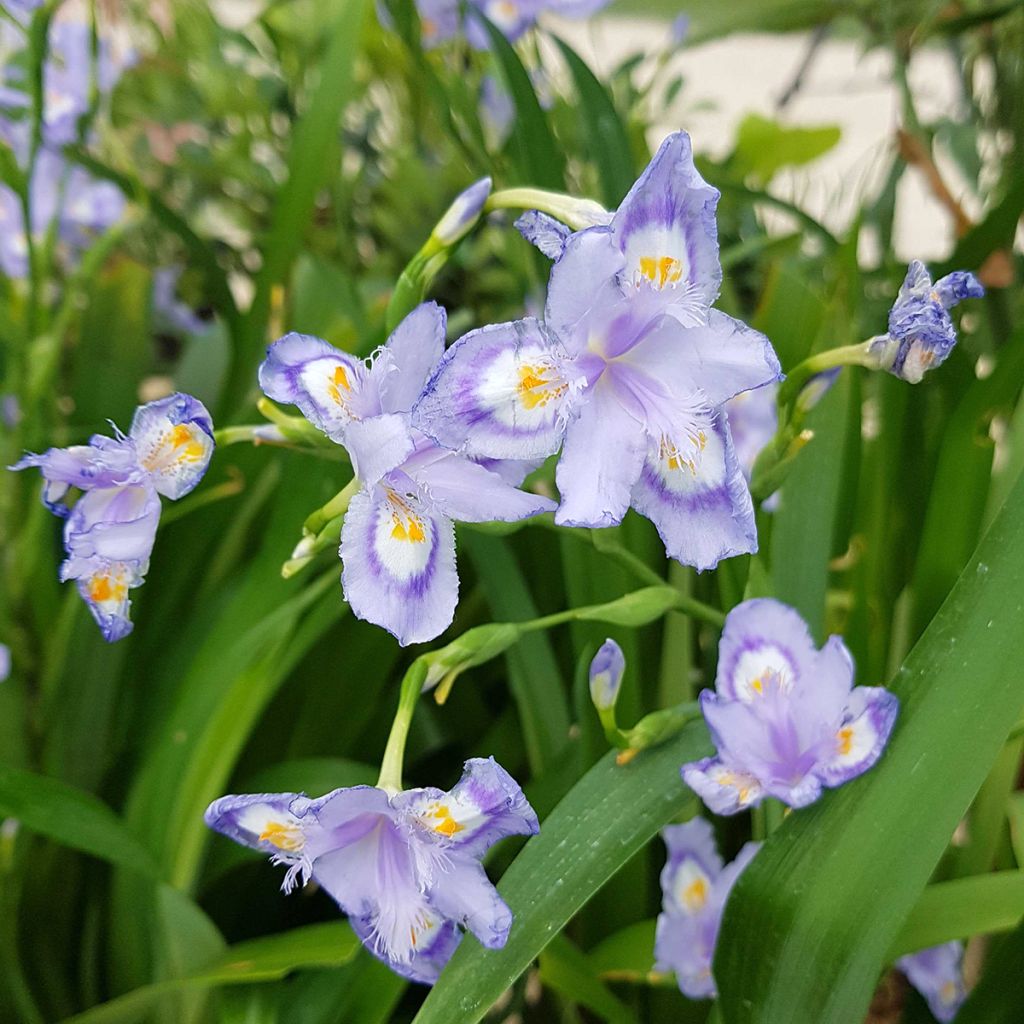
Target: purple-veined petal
[485,805]
[825,691]
[469,493]
[173,440]
[501,392]
[762,636]
[667,232]
[116,524]
[399,564]
[414,348]
[105,586]
[601,460]
[722,788]
[544,231]
[722,357]
[512,471]
[324,382]
[464,894]
[378,445]
[436,940]
[692,868]
[698,498]
[686,946]
[867,724]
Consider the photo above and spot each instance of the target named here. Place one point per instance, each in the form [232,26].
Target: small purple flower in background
[109,532]
[398,539]
[5,662]
[785,718]
[606,671]
[695,886]
[169,312]
[938,974]
[404,866]
[921,332]
[753,419]
[627,374]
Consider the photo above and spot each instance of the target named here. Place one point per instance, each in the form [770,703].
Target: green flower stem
[847,355]
[575,213]
[309,547]
[337,506]
[390,779]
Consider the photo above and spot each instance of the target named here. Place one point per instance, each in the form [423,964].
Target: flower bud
[606,675]
[463,213]
[474,647]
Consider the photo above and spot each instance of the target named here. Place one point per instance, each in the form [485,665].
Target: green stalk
[390,779]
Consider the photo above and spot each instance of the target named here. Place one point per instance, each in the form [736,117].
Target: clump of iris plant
[785,717]
[110,530]
[921,331]
[405,866]
[398,539]
[938,974]
[626,374]
[695,885]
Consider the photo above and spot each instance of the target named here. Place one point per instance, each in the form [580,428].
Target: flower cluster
[626,374]
[695,885]
[404,866]
[59,192]
[785,718]
[109,532]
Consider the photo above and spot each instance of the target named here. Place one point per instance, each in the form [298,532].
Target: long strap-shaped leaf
[808,925]
[606,817]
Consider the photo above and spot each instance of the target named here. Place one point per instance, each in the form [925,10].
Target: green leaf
[311,163]
[608,143]
[764,147]
[540,160]
[565,969]
[962,908]
[260,960]
[606,817]
[626,955]
[810,922]
[994,232]
[72,817]
[998,997]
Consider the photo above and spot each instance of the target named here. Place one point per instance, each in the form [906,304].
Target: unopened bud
[460,217]
[606,675]
[474,647]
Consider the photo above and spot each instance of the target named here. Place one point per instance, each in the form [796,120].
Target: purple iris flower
[695,886]
[785,718]
[404,866]
[938,974]
[627,374]
[109,531]
[80,205]
[398,541]
[921,332]
[170,313]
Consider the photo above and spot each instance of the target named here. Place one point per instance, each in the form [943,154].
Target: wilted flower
[109,532]
[937,973]
[404,866]
[921,332]
[695,886]
[398,541]
[629,369]
[606,672]
[786,719]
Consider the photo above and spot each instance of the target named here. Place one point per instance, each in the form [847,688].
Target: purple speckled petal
[468,493]
[543,231]
[173,440]
[399,564]
[601,461]
[865,729]
[414,348]
[501,392]
[724,789]
[667,232]
[698,500]
[762,636]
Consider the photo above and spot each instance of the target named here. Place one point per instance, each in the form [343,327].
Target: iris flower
[937,973]
[921,332]
[785,718]
[398,540]
[404,866]
[695,886]
[627,374]
[109,531]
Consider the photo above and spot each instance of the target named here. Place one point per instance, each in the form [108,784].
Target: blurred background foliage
[291,156]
